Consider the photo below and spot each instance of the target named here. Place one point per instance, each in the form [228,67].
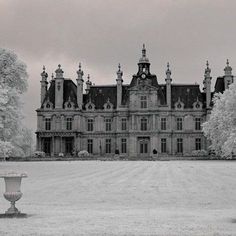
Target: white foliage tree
[13,82]
[220,129]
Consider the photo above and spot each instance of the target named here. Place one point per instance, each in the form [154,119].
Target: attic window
[179,106]
[48,105]
[90,107]
[69,105]
[108,107]
[197,105]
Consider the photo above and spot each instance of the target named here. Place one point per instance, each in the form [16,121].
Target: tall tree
[13,82]
[220,128]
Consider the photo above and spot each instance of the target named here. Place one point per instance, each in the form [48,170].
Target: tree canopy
[13,82]
[220,128]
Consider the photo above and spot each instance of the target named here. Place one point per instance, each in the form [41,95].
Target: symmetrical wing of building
[133,118]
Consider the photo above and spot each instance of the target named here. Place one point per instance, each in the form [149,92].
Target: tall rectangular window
[143,124]
[123,124]
[123,145]
[197,123]
[90,146]
[143,101]
[108,146]
[69,123]
[108,124]
[163,145]
[90,125]
[48,123]
[179,145]
[198,144]
[179,121]
[163,123]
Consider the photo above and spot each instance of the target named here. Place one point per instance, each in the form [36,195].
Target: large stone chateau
[133,118]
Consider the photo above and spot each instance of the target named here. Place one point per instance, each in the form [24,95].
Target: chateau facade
[133,118]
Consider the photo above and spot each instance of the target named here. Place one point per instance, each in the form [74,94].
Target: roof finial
[228,68]
[44,74]
[207,70]
[88,77]
[144,51]
[119,73]
[52,76]
[168,71]
[79,65]
[227,62]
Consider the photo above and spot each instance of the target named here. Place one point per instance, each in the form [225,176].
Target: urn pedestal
[13,192]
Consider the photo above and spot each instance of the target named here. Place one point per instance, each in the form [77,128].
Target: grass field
[124,198]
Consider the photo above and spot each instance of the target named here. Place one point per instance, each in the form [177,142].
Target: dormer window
[69,104]
[90,106]
[108,105]
[48,105]
[197,105]
[179,105]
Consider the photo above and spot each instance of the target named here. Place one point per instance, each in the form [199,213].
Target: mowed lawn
[124,198]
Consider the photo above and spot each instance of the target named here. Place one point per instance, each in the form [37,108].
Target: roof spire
[144,58]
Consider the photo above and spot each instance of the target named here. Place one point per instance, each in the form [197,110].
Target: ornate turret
[80,82]
[59,87]
[119,82]
[207,84]
[44,84]
[168,86]
[228,77]
[143,64]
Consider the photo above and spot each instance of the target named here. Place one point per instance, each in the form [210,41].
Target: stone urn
[13,193]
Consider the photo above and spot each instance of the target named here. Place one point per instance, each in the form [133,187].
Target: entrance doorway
[144,146]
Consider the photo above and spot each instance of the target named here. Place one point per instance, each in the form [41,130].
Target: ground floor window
[108,146]
[123,145]
[69,145]
[198,144]
[90,146]
[163,145]
[47,145]
[179,145]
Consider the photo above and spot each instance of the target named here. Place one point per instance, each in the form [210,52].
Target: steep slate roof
[70,90]
[220,85]
[99,95]
[188,94]
[149,76]
[50,95]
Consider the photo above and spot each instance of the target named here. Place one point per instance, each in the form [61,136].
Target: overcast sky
[102,33]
